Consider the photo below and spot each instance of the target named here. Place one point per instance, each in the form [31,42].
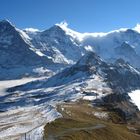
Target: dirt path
[53,137]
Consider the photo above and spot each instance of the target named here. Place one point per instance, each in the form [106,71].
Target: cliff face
[14,50]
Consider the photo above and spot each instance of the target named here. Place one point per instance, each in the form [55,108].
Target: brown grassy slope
[79,123]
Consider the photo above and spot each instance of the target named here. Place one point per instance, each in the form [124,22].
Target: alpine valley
[59,84]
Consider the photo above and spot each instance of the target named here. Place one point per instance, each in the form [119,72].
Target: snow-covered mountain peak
[7,33]
[76,35]
[6,25]
[81,36]
[6,22]
[54,31]
[62,24]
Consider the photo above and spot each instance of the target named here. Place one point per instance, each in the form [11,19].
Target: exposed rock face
[17,58]
[62,46]
[57,45]
[14,50]
[120,77]
[125,50]
[123,77]
[108,83]
[128,53]
[121,103]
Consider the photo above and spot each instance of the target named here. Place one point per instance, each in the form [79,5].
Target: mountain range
[101,67]
[41,51]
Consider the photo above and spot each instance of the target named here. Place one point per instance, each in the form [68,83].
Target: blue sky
[81,15]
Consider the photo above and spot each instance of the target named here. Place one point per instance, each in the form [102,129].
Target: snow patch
[88,48]
[101,115]
[135,97]
[90,98]
[23,35]
[26,122]
[39,53]
[11,83]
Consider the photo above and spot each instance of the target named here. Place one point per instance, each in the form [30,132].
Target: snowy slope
[57,45]
[135,97]
[26,121]
[17,58]
[90,73]
[105,44]
[14,50]
[40,98]
[64,45]
[90,78]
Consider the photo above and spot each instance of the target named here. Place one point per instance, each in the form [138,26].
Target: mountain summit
[61,46]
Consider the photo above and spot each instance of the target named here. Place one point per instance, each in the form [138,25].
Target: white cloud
[31,30]
[137,28]
[68,31]
[63,24]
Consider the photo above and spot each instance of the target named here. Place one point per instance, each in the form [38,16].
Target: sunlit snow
[135,96]
[137,28]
